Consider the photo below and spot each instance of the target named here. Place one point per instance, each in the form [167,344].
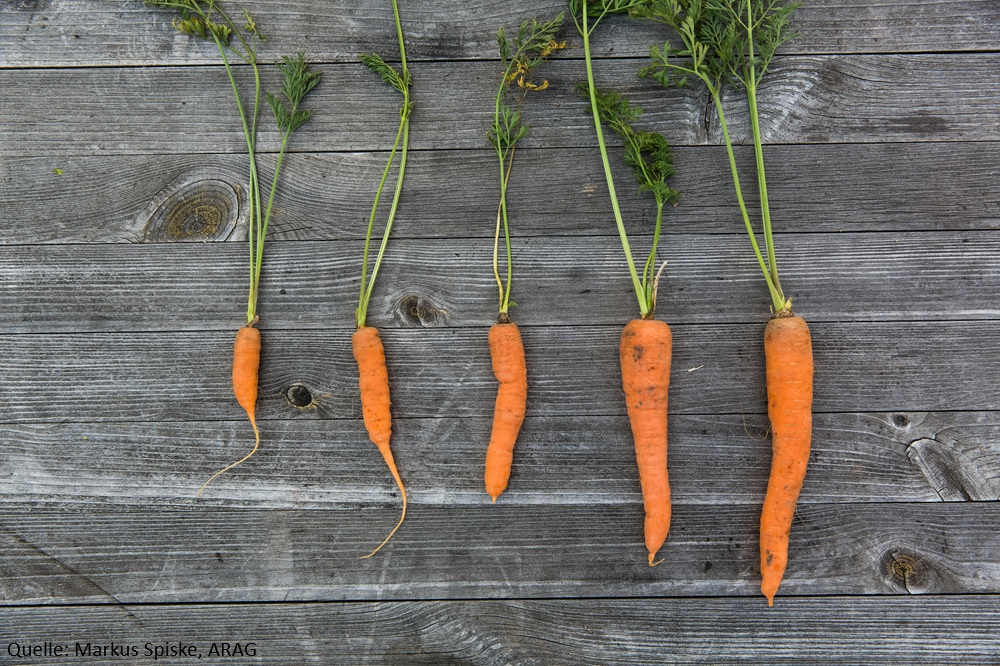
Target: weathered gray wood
[95,554]
[308,463]
[926,630]
[51,33]
[887,187]
[573,370]
[449,283]
[807,99]
[831,630]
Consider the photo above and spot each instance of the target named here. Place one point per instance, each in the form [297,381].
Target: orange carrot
[645,360]
[509,368]
[789,362]
[373,379]
[246,362]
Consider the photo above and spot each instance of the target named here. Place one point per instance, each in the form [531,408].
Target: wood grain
[828,630]
[806,99]
[307,463]
[327,196]
[149,554]
[558,281]
[47,33]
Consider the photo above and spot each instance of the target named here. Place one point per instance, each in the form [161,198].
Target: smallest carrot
[246,363]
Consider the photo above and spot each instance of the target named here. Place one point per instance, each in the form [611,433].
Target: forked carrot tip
[651,562]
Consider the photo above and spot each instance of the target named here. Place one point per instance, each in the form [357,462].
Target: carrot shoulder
[645,360]
[789,365]
[373,380]
[507,352]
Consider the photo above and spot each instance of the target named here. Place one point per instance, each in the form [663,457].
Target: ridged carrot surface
[507,352]
[373,380]
[645,359]
[789,364]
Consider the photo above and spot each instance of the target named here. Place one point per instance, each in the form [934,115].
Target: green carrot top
[727,42]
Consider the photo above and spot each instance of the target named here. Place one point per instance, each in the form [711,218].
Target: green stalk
[254,182]
[388,225]
[765,211]
[647,271]
[404,130]
[776,297]
[643,307]
[504,291]
[371,218]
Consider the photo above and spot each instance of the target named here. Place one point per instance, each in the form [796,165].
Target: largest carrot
[789,366]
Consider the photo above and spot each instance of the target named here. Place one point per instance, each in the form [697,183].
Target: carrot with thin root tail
[246,363]
[645,359]
[507,352]
[789,364]
[373,379]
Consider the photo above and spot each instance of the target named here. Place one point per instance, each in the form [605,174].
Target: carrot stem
[402,137]
[585,32]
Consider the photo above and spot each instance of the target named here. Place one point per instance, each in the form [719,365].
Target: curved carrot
[789,362]
[246,363]
[507,353]
[645,360]
[373,379]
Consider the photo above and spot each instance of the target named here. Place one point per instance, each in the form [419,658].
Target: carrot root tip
[651,562]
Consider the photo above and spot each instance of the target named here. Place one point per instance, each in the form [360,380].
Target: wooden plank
[559,281]
[573,370]
[587,460]
[96,554]
[327,196]
[807,99]
[933,630]
[69,33]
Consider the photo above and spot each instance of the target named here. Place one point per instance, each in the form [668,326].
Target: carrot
[246,363]
[645,359]
[789,363]
[373,379]
[509,367]
[645,347]
[520,54]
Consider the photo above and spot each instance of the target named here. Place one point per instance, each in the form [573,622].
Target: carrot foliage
[400,80]
[206,19]
[520,55]
[726,42]
[648,153]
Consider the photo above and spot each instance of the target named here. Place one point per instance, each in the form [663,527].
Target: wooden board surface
[122,225]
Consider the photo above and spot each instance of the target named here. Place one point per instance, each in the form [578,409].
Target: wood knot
[911,572]
[203,210]
[299,396]
[418,311]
